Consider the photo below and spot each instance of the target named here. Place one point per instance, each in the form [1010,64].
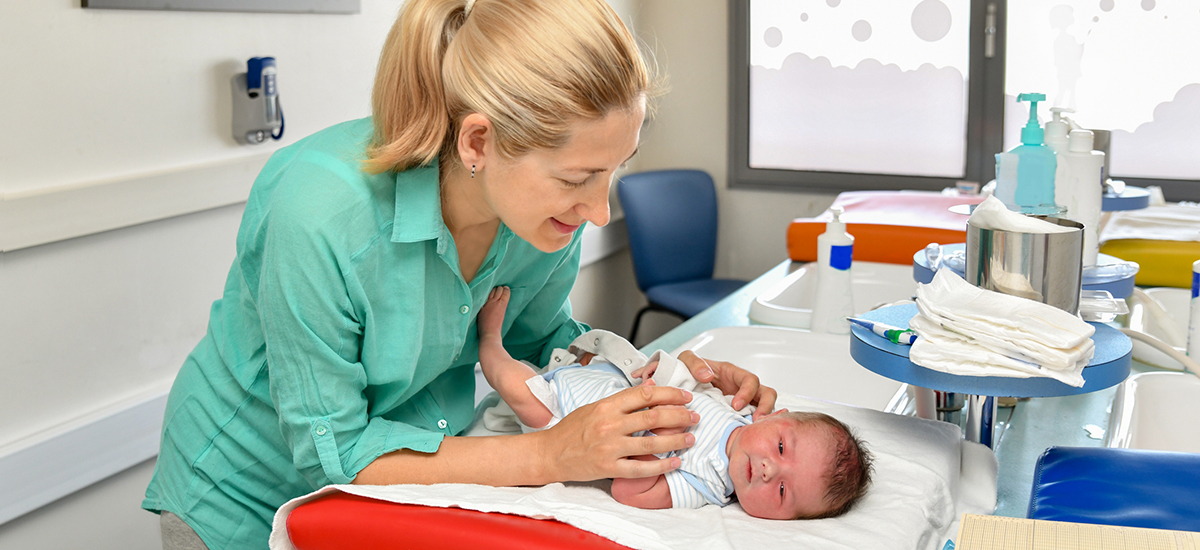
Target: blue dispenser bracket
[257,114]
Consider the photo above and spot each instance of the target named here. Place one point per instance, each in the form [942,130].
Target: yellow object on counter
[1163,263]
[977,532]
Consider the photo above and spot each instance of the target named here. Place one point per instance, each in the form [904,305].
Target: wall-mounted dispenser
[256,111]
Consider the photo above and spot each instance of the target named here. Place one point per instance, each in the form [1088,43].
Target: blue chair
[672,220]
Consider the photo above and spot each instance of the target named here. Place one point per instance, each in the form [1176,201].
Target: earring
[472,170]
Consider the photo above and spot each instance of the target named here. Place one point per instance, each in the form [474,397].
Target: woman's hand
[596,441]
[732,380]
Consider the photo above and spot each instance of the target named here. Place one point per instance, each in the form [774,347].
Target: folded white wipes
[1170,222]
[926,477]
[975,332]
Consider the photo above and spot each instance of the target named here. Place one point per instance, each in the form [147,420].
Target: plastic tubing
[1161,317]
[1189,365]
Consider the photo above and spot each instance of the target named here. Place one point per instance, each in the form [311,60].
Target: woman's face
[545,195]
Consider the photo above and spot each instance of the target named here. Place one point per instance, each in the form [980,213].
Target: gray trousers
[177,535]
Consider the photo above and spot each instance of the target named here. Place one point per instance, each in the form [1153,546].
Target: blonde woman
[343,349]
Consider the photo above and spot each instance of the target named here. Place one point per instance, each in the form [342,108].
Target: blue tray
[1132,198]
[1109,365]
[1119,288]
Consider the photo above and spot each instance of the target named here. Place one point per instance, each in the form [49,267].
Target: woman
[343,348]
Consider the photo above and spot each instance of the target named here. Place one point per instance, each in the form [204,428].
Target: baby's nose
[767,468]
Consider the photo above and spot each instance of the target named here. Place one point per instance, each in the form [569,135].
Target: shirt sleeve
[546,323]
[313,341]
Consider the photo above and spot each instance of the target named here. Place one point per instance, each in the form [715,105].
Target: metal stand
[981,419]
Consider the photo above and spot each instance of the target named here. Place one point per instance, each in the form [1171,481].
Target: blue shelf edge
[1109,366]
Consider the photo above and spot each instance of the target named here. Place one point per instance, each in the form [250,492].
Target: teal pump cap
[1032,134]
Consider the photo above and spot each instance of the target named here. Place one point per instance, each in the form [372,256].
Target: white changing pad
[926,477]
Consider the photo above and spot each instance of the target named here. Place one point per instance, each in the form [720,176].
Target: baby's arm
[649,493]
[505,374]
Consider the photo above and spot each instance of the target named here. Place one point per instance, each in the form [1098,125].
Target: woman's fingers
[596,440]
[732,380]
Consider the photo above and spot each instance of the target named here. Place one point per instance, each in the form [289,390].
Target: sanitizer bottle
[834,300]
[1025,175]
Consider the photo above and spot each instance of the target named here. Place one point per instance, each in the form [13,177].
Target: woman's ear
[475,140]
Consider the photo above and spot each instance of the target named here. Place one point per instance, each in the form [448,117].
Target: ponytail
[532,67]
[409,102]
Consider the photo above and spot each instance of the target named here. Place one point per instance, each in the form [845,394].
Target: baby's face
[778,466]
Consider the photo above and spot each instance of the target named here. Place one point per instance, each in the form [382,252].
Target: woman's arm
[591,443]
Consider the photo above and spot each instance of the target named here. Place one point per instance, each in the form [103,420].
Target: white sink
[1158,411]
[798,362]
[1166,319]
[789,303]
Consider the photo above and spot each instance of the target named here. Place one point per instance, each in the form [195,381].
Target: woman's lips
[562,227]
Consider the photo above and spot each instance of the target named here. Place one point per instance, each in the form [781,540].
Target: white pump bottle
[1078,186]
[834,299]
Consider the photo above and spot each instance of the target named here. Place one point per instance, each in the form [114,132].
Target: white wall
[690,40]
[100,106]
[96,98]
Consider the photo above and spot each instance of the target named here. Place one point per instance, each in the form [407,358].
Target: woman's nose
[594,207]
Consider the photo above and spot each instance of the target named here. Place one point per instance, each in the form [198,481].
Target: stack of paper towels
[967,330]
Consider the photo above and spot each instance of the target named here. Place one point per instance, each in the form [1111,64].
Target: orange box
[888,226]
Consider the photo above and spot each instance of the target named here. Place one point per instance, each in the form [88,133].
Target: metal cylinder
[981,420]
[1044,267]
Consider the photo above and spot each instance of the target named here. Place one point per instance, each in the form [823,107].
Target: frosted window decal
[876,87]
[1132,67]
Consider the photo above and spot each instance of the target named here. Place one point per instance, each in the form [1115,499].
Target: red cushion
[343,521]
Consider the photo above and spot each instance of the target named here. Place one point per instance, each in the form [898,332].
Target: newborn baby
[786,465]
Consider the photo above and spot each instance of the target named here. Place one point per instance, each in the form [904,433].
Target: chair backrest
[672,220]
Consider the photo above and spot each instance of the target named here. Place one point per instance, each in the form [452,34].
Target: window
[918,94]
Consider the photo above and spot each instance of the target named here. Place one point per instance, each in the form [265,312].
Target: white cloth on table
[926,477]
[967,330]
[1168,222]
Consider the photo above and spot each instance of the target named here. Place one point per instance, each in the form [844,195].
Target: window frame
[984,130]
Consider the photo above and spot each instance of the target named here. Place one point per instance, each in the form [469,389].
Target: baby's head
[797,465]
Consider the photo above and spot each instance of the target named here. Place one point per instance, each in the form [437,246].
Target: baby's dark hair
[851,467]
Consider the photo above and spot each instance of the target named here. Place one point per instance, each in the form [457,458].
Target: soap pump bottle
[1025,175]
[834,299]
[1057,130]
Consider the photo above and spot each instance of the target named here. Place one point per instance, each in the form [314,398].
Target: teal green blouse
[345,331]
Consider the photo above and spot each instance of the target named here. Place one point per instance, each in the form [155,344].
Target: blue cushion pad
[691,297]
[1128,487]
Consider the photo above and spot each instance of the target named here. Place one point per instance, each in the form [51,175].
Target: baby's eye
[781,490]
[781,447]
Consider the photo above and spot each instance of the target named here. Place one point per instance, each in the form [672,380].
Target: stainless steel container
[1044,267]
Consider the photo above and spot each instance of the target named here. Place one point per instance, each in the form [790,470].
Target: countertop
[1025,430]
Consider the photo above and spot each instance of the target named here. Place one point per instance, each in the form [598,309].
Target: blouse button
[465,309]
[442,424]
[321,430]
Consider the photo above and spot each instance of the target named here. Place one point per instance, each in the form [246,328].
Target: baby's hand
[646,372]
[491,315]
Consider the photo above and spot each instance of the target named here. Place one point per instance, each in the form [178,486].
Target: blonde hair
[532,67]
